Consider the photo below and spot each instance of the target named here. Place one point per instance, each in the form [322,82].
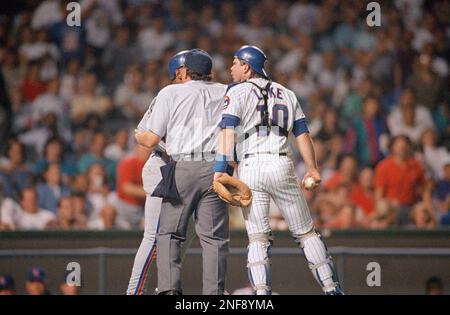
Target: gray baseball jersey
[144,125]
[174,118]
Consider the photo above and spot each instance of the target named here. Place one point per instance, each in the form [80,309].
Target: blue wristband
[221,164]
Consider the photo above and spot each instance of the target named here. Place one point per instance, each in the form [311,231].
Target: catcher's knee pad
[259,257]
[301,238]
[320,263]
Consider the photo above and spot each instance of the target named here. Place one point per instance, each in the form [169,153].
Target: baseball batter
[261,114]
[151,176]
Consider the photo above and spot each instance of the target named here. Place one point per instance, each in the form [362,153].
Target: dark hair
[344,156]
[11,142]
[27,188]
[253,73]
[61,199]
[197,76]
[52,140]
[371,96]
[404,137]
[78,194]
[433,281]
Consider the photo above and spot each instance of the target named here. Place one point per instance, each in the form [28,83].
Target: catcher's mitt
[233,191]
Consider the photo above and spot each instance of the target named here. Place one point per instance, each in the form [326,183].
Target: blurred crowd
[376,99]
[37,283]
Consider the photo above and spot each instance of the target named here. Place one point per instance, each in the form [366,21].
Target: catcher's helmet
[254,56]
[176,62]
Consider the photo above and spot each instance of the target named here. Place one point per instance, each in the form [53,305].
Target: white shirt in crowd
[422,121]
[13,215]
[47,13]
[153,44]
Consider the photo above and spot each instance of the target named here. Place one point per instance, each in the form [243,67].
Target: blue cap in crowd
[198,61]
[36,274]
[6,282]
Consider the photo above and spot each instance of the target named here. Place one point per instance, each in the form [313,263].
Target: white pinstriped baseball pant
[273,176]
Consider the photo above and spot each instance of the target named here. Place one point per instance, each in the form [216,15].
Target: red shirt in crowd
[31,89]
[130,171]
[362,199]
[399,181]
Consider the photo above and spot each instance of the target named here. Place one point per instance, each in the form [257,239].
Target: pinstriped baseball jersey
[245,102]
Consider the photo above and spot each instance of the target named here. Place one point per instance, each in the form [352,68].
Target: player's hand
[218,174]
[314,173]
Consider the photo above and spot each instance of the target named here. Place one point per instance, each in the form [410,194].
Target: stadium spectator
[54,153]
[117,150]
[442,196]
[14,173]
[51,190]
[13,73]
[64,214]
[27,215]
[362,196]
[422,216]
[385,215]
[345,175]
[81,209]
[67,288]
[366,133]
[46,13]
[409,118]
[96,155]
[353,103]
[7,285]
[71,213]
[70,78]
[98,193]
[32,86]
[129,97]
[154,39]
[331,125]
[434,286]
[399,178]
[429,87]
[117,55]
[87,101]
[130,192]
[108,220]
[435,157]
[49,102]
[36,283]
[6,108]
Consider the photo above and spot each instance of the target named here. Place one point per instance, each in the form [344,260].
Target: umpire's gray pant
[193,180]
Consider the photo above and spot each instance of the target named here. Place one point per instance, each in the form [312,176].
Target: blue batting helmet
[176,62]
[198,61]
[254,56]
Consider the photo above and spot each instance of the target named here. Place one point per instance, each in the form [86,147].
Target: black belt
[163,155]
[193,156]
[248,155]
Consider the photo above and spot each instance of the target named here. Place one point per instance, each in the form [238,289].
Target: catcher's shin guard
[319,260]
[258,262]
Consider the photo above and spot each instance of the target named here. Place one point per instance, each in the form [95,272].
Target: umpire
[187,116]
